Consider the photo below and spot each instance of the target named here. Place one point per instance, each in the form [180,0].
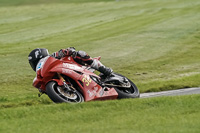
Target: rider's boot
[105,70]
[97,65]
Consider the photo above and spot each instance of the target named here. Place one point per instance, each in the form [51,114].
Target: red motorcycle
[65,80]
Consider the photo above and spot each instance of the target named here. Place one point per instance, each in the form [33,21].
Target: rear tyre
[131,92]
[58,95]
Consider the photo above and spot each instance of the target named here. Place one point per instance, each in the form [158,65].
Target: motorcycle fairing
[93,91]
[90,89]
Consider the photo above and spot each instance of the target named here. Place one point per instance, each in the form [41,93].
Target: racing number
[87,80]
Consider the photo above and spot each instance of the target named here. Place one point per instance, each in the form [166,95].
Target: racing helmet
[35,55]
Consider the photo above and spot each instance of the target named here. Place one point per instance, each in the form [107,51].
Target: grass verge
[166,114]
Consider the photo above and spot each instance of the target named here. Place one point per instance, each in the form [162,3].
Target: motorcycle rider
[80,57]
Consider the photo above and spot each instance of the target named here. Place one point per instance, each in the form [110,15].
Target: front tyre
[131,92]
[58,95]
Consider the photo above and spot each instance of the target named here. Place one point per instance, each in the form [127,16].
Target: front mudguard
[58,81]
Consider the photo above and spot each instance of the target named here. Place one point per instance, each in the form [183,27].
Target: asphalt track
[187,91]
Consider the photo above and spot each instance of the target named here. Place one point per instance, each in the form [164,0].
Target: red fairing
[80,74]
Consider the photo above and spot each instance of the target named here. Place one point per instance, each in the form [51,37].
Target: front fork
[65,85]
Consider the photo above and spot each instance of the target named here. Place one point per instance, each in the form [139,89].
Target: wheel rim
[71,97]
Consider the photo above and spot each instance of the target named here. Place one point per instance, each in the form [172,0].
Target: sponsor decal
[39,65]
[36,54]
[90,93]
[101,92]
[87,80]
[96,88]
[71,66]
[29,58]
[95,92]
[66,71]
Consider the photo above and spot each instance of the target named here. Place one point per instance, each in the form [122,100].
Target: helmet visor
[33,64]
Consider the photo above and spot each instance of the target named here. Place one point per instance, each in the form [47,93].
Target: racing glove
[67,52]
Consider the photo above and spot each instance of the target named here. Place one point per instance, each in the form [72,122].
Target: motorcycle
[64,80]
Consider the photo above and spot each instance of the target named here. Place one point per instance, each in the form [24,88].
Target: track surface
[187,91]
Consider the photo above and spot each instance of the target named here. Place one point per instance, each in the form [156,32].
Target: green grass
[154,43]
[166,114]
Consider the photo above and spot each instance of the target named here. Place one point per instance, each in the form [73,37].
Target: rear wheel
[131,92]
[58,94]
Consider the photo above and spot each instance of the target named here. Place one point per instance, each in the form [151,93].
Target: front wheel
[58,95]
[131,92]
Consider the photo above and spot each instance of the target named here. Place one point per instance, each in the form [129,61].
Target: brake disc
[68,94]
